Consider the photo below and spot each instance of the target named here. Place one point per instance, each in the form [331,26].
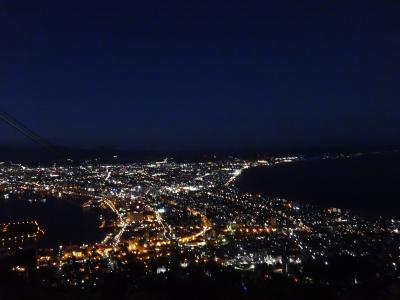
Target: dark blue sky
[201,74]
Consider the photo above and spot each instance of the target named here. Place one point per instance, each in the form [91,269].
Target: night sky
[201,74]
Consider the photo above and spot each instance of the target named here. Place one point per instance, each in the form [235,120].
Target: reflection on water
[63,221]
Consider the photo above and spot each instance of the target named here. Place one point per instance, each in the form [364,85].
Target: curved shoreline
[366,185]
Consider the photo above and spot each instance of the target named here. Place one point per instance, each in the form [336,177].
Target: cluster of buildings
[163,216]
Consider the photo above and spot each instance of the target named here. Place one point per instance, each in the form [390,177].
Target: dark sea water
[63,222]
[368,185]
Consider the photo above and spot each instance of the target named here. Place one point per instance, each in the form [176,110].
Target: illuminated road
[122,224]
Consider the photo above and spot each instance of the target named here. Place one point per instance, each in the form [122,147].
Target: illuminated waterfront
[165,217]
[366,185]
[65,222]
